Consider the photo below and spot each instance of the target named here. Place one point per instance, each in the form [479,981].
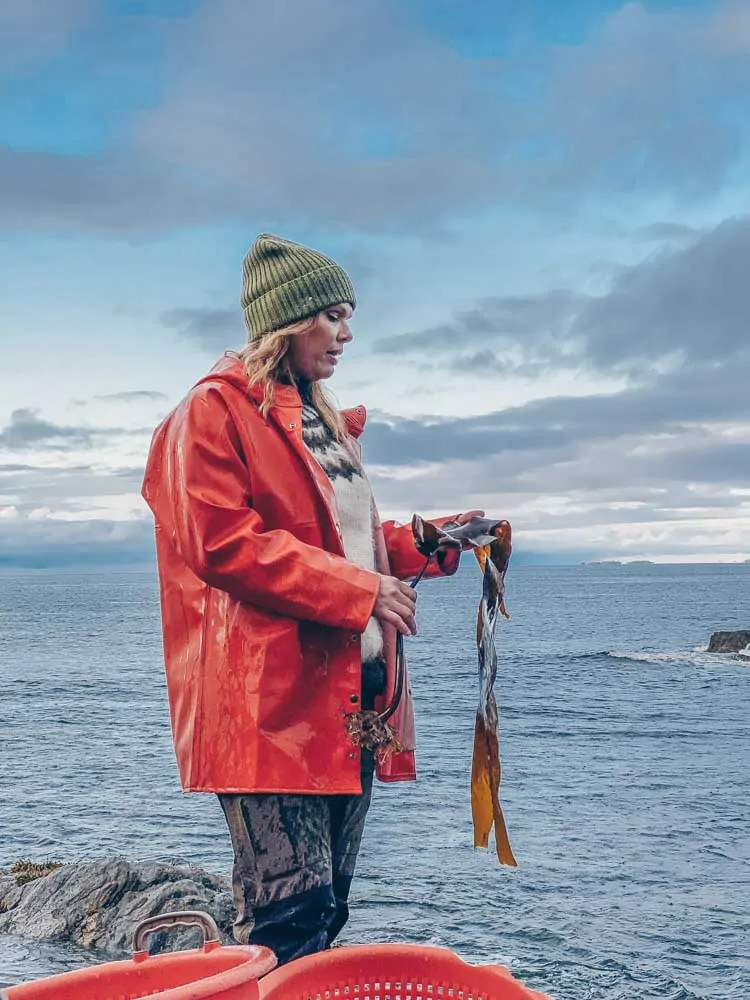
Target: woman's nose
[345,334]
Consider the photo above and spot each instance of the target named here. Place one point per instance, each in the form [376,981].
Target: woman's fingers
[396,604]
[463,518]
[403,625]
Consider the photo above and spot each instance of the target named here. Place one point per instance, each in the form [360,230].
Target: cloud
[657,231]
[672,404]
[48,543]
[638,104]
[601,497]
[211,329]
[396,132]
[76,515]
[115,191]
[660,469]
[693,302]
[654,465]
[65,489]
[134,396]
[33,29]
[349,139]
[685,303]
[729,30]
[421,133]
[6,467]
[483,362]
[28,430]
[537,324]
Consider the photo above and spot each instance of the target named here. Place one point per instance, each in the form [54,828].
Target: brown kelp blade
[481,786]
[498,549]
[485,801]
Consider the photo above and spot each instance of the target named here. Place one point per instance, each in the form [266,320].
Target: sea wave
[697,657]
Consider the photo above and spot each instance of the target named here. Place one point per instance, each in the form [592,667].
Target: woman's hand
[396,605]
[463,518]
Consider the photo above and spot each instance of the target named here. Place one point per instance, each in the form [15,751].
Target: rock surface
[98,904]
[729,642]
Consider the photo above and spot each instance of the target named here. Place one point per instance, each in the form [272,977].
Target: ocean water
[626,773]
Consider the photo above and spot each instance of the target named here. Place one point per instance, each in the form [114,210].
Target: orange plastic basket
[208,973]
[391,972]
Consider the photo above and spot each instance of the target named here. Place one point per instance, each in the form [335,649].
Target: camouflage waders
[294,858]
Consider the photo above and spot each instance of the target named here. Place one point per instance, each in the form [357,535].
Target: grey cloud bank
[84,545]
[28,430]
[134,396]
[624,110]
[671,404]
[31,30]
[681,304]
[211,329]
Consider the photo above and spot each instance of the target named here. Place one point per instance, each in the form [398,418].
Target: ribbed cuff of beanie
[298,299]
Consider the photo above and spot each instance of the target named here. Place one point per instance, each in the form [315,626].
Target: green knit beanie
[283,282]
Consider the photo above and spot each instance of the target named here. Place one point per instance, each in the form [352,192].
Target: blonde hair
[265,360]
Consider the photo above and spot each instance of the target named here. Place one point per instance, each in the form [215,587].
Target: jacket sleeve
[204,493]
[406,562]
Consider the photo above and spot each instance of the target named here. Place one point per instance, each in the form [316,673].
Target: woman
[281,597]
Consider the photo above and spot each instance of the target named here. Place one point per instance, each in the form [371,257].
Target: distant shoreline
[640,562]
[520,563]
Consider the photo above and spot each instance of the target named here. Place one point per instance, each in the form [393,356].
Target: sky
[544,207]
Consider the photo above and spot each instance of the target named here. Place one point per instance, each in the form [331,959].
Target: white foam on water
[697,657]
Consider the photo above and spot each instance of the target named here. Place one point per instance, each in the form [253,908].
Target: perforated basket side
[391,972]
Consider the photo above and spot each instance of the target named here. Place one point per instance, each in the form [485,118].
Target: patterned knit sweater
[354,502]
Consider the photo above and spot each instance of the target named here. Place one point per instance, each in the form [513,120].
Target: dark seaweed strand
[398,688]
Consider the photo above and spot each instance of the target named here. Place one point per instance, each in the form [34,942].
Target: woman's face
[314,355]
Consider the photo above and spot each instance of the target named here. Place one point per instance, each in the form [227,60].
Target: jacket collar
[286,397]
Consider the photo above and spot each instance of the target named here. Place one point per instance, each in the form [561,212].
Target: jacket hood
[229,369]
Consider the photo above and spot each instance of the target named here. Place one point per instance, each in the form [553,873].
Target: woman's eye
[334,317]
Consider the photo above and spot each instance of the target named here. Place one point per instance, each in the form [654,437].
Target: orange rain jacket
[261,613]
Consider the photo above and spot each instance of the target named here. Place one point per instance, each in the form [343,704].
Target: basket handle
[180,918]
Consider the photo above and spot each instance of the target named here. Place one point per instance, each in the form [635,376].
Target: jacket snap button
[292,426]
[352,756]
[354,698]
[353,638]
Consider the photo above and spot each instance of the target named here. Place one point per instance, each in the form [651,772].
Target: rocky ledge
[98,904]
[729,642]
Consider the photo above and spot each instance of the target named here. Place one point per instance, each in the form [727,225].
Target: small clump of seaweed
[28,871]
[370,731]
